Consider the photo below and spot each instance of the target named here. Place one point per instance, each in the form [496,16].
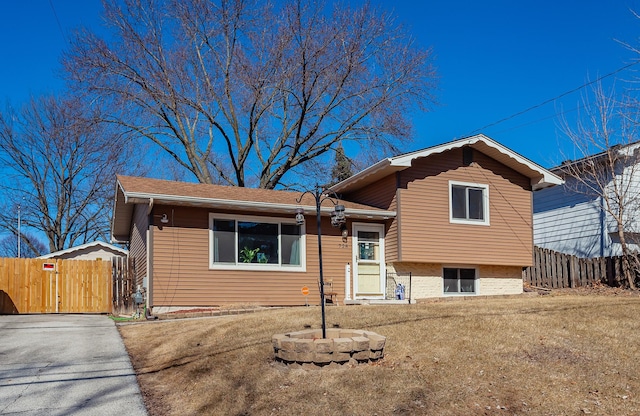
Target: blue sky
[494,59]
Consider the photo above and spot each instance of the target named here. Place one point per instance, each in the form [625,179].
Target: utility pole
[19,237]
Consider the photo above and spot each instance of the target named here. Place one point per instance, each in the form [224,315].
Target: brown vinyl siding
[138,243]
[427,234]
[182,276]
[392,238]
[382,194]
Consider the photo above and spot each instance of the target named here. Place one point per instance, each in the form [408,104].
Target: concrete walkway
[65,365]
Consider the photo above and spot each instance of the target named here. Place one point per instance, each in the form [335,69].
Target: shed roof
[539,176]
[94,244]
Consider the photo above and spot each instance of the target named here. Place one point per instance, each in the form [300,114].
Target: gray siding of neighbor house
[573,223]
[570,222]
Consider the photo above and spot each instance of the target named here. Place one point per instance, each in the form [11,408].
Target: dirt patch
[596,290]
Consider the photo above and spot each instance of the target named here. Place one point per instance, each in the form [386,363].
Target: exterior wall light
[299,216]
[337,216]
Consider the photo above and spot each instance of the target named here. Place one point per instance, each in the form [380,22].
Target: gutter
[144,198]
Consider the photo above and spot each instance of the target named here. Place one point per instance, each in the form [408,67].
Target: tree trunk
[627,270]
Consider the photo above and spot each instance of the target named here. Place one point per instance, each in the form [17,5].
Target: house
[457,216]
[89,251]
[572,220]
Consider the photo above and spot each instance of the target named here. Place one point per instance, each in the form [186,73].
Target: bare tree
[30,246]
[605,140]
[242,92]
[59,166]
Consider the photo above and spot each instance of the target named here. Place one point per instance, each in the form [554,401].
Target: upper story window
[255,243]
[469,203]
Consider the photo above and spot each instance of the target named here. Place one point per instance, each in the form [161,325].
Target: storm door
[368,253]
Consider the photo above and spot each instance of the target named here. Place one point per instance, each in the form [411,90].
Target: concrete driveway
[65,365]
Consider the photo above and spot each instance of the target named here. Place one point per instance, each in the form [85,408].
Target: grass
[545,355]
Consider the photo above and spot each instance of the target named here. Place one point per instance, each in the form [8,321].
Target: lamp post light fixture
[338,219]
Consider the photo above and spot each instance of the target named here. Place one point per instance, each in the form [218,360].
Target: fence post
[547,267]
[602,261]
[535,269]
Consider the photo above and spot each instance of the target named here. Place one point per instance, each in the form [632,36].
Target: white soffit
[540,177]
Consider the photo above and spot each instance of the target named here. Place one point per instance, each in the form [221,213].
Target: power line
[64,37]
[539,120]
[555,98]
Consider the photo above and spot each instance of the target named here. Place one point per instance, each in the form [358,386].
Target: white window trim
[485,203]
[258,266]
[476,281]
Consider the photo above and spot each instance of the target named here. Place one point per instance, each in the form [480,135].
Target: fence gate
[55,286]
[123,285]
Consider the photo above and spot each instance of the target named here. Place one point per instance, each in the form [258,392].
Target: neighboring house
[457,216]
[573,221]
[89,251]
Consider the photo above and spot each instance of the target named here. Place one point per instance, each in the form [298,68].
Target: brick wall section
[427,279]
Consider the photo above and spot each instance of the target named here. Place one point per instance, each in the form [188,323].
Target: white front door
[368,259]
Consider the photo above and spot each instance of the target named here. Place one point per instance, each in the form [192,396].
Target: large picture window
[469,203]
[459,280]
[253,242]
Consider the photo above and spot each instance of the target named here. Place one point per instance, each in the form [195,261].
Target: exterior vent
[467,155]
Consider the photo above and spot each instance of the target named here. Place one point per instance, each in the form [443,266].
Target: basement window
[459,280]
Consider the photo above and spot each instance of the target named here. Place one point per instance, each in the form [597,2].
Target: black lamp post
[337,220]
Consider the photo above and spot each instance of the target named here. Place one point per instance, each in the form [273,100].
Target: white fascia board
[547,178]
[134,197]
[363,174]
[363,213]
[544,179]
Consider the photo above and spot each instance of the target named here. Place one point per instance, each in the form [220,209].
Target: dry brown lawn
[544,355]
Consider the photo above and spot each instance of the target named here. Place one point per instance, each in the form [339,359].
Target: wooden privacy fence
[123,285]
[55,286]
[555,270]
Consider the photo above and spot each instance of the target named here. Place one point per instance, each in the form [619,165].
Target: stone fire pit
[340,346]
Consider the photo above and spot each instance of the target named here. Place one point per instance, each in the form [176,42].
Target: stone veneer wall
[427,279]
[340,346]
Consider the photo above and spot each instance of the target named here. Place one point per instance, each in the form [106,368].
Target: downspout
[603,226]
[147,311]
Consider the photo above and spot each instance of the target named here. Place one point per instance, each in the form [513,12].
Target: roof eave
[131,198]
[121,208]
[539,176]
[373,170]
